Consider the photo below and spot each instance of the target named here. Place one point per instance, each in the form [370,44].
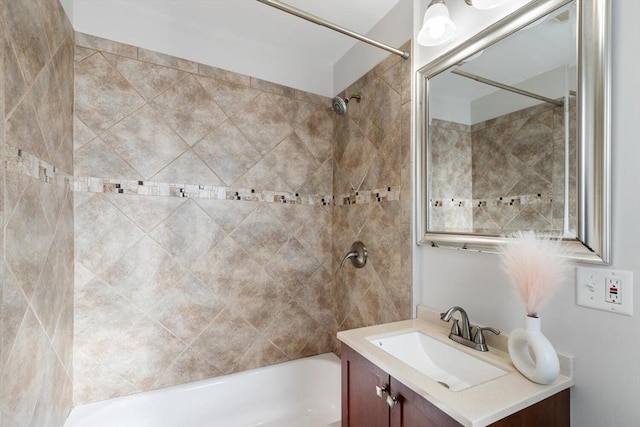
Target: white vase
[532,353]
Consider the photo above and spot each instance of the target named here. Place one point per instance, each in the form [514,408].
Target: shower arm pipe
[316,20]
[507,87]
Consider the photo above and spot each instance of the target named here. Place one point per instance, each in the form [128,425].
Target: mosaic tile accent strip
[524,199]
[17,160]
[26,164]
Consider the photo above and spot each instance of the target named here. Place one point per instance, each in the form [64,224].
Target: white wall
[606,346]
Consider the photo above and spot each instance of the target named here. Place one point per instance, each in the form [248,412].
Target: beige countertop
[476,406]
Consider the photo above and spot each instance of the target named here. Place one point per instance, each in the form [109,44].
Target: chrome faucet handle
[479,337]
[455,328]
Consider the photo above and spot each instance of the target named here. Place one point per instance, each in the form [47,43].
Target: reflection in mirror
[514,128]
[502,129]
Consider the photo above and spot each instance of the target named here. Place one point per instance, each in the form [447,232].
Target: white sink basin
[448,366]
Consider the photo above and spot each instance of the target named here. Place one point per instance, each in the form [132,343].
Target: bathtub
[300,393]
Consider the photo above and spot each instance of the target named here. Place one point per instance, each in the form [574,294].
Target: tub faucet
[463,335]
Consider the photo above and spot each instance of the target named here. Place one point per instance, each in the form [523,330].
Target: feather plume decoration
[536,265]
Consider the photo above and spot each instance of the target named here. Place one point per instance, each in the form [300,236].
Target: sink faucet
[464,335]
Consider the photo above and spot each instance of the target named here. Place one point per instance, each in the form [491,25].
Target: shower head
[339,105]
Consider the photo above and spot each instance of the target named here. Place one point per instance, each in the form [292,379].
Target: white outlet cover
[591,288]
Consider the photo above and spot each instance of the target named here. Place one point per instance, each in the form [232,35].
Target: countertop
[476,406]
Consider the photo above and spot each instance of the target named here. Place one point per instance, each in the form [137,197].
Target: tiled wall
[170,288]
[450,177]
[518,170]
[503,174]
[372,151]
[37,285]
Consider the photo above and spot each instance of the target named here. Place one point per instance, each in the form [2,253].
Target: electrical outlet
[605,289]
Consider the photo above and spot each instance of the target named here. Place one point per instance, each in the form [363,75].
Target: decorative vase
[543,366]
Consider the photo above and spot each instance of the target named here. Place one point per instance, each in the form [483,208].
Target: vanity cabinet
[373,398]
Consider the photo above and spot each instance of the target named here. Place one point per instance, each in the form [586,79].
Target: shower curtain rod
[316,20]
[507,87]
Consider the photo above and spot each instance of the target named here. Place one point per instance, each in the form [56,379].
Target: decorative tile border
[524,199]
[23,163]
[26,164]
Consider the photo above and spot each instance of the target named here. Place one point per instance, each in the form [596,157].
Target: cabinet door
[412,410]
[554,411]
[361,406]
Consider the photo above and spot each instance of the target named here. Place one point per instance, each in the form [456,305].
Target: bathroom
[45,294]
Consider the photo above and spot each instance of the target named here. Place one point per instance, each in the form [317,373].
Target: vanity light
[485,4]
[437,27]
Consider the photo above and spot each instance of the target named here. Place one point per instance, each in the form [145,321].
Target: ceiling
[244,36]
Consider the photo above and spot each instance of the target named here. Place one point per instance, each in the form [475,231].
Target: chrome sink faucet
[463,334]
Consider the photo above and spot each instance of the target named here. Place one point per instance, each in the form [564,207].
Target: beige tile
[188,234]
[149,348]
[188,168]
[189,109]
[14,308]
[291,330]
[144,274]
[50,109]
[293,265]
[261,302]
[27,33]
[262,177]
[95,79]
[316,297]
[167,60]
[14,86]
[81,133]
[274,126]
[188,367]
[261,234]
[228,214]
[227,269]
[21,381]
[148,79]
[23,131]
[103,234]
[187,308]
[220,74]
[226,340]
[317,134]
[145,141]
[227,152]
[97,159]
[230,96]
[28,221]
[294,110]
[94,382]
[56,24]
[81,53]
[260,353]
[110,46]
[292,161]
[321,181]
[146,212]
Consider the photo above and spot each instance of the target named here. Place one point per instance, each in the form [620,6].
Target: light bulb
[436,30]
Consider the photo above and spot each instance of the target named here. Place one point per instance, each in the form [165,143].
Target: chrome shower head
[339,105]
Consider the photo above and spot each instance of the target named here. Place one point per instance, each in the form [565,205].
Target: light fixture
[485,4]
[437,27]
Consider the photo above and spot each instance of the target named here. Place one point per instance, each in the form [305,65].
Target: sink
[450,367]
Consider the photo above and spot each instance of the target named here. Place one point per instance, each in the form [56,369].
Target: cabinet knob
[381,391]
[392,401]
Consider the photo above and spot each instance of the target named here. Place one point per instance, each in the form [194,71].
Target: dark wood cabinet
[372,398]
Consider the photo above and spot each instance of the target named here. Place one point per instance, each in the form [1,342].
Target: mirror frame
[592,244]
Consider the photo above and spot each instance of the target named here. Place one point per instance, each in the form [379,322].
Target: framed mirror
[514,132]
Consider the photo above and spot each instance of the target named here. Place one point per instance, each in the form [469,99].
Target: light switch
[605,289]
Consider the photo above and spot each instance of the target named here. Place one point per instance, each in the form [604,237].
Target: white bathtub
[300,393]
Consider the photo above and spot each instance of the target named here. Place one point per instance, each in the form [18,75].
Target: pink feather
[536,265]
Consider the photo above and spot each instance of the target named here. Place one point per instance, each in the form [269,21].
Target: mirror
[514,132]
